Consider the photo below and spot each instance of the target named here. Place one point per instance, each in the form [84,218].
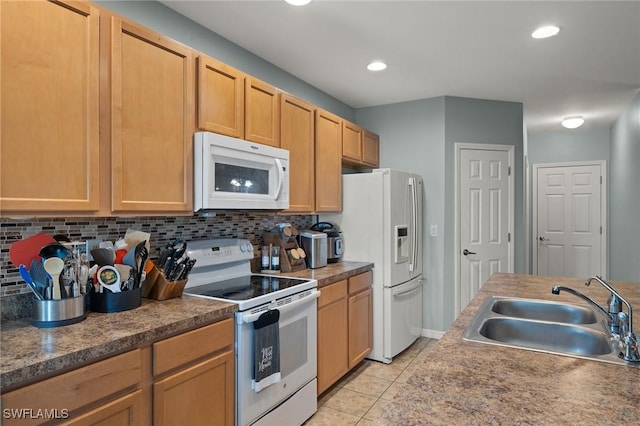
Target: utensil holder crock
[57,313]
[109,302]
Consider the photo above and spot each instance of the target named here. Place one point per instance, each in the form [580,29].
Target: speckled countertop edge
[462,382]
[29,354]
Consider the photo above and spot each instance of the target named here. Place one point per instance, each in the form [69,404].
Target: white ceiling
[474,49]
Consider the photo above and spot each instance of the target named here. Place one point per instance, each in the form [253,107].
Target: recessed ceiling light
[544,32]
[298,2]
[376,66]
[572,122]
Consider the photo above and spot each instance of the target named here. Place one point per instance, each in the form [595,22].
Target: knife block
[157,287]
[287,262]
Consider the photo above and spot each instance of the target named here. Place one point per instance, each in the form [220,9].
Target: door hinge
[600,180]
[508,237]
[509,171]
[601,230]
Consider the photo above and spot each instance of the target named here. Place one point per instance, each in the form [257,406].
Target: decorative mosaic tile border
[229,224]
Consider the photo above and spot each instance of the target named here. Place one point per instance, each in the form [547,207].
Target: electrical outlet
[434,230]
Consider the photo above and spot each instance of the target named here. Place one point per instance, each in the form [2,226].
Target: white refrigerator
[381,222]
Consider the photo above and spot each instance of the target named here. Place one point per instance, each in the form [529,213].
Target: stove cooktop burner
[245,288]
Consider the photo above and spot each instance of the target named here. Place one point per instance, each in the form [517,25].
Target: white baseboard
[432,334]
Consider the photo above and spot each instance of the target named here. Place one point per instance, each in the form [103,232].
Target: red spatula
[28,249]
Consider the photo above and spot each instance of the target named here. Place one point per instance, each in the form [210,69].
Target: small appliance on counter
[335,248]
[314,244]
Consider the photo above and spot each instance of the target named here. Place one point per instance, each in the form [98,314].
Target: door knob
[466,252]
[543,239]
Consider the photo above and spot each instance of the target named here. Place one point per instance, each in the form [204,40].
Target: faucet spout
[557,289]
[617,320]
[614,301]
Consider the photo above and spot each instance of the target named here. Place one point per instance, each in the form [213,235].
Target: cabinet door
[360,327]
[49,106]
[124,411]
[152,121]
[351,142]
[262,118]
[296,135]
[333,342]
[370,149]
[199,395]
[328,163]
[220,98]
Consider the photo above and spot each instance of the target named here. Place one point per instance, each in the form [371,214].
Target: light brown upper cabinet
[360,147]
[49,141]
[220,98]
[328,165]
[296,135]
[152,121]
[370,148]
[351,142]
[261,119]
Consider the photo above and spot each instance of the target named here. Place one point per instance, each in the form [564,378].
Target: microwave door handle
[280,177]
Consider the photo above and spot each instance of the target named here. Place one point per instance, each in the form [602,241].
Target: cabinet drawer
[187,347]
[332,292]
[360,282]
[77,388]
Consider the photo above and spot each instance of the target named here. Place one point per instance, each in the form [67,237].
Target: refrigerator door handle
[413,289]
[414,221]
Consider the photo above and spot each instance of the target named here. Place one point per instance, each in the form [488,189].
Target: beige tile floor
[359,396]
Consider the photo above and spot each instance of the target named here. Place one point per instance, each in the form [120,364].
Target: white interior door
[568,225]
[485,209]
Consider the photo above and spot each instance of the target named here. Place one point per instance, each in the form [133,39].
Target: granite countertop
[333,272]
[463,382]
[30,354]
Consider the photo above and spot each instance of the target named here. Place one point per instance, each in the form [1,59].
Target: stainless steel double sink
[544,326]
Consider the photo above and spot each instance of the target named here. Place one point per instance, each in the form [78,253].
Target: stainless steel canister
[314,244]
[56,313]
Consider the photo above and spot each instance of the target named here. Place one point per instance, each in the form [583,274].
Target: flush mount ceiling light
[376,66]
[298,2]
[572,122]
[545,32]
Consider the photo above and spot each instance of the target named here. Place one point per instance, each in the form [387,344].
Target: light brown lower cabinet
[202,394]
[333,340]
[360,317]
[345,334]
[123,411]
[180,380]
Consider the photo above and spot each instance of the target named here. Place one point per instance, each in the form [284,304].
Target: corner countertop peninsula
[463,382]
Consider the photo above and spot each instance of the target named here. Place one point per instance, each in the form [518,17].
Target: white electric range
[223,272]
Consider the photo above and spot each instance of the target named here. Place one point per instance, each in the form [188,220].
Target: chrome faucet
[620,323]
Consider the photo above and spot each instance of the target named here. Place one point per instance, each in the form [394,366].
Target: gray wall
[412,139]
[164,20]
[568,146]
[419,137]
[564,147]
[481,122]
[624,196]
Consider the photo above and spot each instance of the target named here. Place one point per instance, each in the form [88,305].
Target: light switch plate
[434,230]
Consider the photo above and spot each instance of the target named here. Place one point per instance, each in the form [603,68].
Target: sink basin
[545,311]
[542,326]
[547,336]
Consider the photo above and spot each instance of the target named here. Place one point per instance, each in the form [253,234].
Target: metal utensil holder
[57,313]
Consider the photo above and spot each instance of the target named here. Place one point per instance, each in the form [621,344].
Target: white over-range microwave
[231,173]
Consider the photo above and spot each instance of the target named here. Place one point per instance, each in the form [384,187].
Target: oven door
[234,174]
[298,359]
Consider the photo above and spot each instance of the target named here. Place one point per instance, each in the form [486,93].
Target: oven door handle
[249,318]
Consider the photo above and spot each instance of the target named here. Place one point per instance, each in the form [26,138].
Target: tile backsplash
[229,224]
